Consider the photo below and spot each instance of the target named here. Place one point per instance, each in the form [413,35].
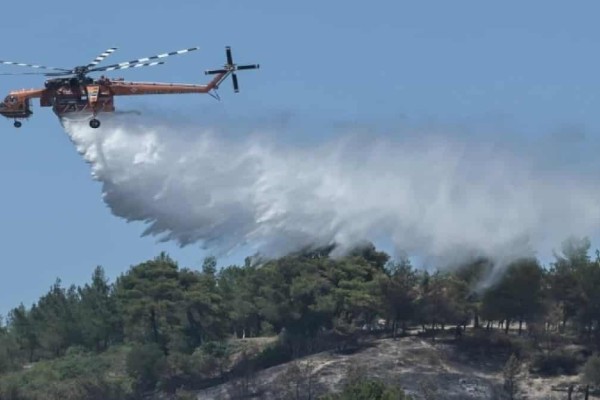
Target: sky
[519,72]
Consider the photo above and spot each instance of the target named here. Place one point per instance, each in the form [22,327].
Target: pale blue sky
[526,68]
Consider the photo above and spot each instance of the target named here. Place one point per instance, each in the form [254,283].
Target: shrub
[145,364]
[368,389]
[271,356]
[555,363]
[482,343]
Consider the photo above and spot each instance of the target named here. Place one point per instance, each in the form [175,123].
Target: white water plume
[429,196]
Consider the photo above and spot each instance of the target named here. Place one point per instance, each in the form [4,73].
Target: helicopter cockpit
[15,107]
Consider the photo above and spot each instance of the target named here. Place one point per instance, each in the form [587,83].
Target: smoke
[437,197]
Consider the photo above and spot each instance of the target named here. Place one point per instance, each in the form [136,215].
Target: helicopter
[72,92]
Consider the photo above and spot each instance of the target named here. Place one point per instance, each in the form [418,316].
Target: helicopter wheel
[94,123]
[17,124]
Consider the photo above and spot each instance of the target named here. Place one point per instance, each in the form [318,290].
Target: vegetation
[368,389]
[159,327]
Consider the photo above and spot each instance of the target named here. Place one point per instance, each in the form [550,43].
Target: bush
[368,389]
[145,364]
[211,359]
[482,343]
[555,363]
[69,378]
[271,356]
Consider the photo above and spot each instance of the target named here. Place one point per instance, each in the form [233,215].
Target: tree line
[175,322]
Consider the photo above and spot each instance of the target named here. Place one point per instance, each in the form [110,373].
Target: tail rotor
[230,68]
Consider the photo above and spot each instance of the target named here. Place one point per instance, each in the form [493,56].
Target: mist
[443,198]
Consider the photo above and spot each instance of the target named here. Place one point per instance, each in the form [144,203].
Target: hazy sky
[524,70]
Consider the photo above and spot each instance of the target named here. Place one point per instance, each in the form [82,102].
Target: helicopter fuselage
[70,97]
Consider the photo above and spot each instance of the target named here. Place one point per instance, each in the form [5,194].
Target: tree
[563,277]
[398,289]
[205,318]
[298,299]
[442,300]
[151,301]
[518,294]
[239,287]
[55,320]
[9,350]
[588,313]
[22,326]
[100,322]
[472,273]
[356,292]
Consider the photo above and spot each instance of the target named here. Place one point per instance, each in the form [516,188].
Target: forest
[164,331]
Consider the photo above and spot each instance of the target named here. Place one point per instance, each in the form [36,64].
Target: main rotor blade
[101,57]
[32,65]
[145,59]
[23,73]
[130,66]
[67,73]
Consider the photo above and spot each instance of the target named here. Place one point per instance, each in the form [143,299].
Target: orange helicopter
[71,92]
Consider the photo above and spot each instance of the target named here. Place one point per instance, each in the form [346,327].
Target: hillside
[413,363]
[165,332]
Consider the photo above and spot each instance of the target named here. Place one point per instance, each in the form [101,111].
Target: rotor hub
[80,71]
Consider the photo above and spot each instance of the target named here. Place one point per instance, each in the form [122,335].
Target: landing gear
[17,124]
[94,123]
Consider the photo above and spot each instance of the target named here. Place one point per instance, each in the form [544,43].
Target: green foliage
[9,351]
[99,318]
[24,329]
[74,376]
[188,328]
[368,389]
[57,312]
[564,278]
[442,300]
[273,355]
[399,293]
[149,296]
[518,294]
[176,309]
[145,364]
[211,359]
